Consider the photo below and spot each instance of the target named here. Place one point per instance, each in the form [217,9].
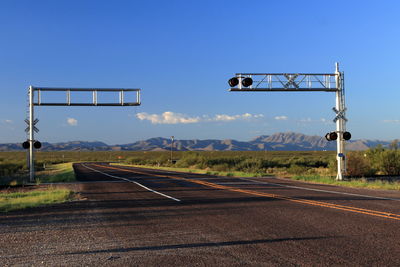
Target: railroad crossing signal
[27,145]
[303,82]
[69,101]
[332,136]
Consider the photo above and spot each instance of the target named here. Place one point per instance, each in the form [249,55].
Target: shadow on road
[200,245]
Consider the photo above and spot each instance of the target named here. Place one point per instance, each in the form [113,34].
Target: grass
[57,173]
[358,183]
[199,171]
[23,200]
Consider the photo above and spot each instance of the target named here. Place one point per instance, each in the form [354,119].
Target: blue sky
[181,54]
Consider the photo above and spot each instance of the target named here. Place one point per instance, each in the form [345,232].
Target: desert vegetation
[373,162]
[16,197]
[258,163]
[28,199]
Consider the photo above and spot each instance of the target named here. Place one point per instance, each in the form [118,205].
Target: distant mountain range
[277,142]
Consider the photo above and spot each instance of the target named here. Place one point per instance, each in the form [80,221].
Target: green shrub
[221,167]
[297,169]
[358,165]
[10,169]
[189,159]
[390,162]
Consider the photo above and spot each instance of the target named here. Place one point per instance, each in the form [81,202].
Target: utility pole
[172,145]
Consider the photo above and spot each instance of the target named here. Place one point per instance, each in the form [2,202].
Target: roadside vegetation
[57,173]
[29,199]
[378,167]
[15,195]
[372,183]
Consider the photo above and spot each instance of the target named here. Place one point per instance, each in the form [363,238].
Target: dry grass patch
[35,198]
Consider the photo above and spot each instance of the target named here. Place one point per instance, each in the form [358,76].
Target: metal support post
[31,137]
[340,126]
[95,98]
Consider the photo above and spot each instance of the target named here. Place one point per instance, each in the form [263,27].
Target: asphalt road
[141,217]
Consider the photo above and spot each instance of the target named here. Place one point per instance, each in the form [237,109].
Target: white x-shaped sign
[291,81]
[339,114]
[35,121]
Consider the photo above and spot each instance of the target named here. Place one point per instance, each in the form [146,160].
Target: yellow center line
[262,194]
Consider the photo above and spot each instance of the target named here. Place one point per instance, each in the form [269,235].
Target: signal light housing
[246,82]
[346,136]
[25,145]
[233,82]
[37,145]
[332,136]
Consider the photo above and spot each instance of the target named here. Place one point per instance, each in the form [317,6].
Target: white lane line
[320,190]
[125,179]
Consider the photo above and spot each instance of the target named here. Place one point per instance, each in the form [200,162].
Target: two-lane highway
[136,216]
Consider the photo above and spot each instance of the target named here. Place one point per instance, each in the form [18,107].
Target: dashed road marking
[130,181]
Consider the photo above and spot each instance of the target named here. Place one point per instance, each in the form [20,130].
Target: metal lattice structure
[69,101]
[306,82]
[302,82]
[69,93]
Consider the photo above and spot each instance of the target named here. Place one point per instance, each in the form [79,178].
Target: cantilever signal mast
[124,100]
[304,82]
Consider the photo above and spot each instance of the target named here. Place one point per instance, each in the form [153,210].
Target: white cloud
[170,117]
[326,122]
[8,121]
[281,118]
[391,121]
[72,122]
[306,120]
[224,117]
[167,117]
[245,116]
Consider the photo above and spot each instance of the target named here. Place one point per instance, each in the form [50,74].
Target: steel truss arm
[288,82]
[69,101]
[94,101]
